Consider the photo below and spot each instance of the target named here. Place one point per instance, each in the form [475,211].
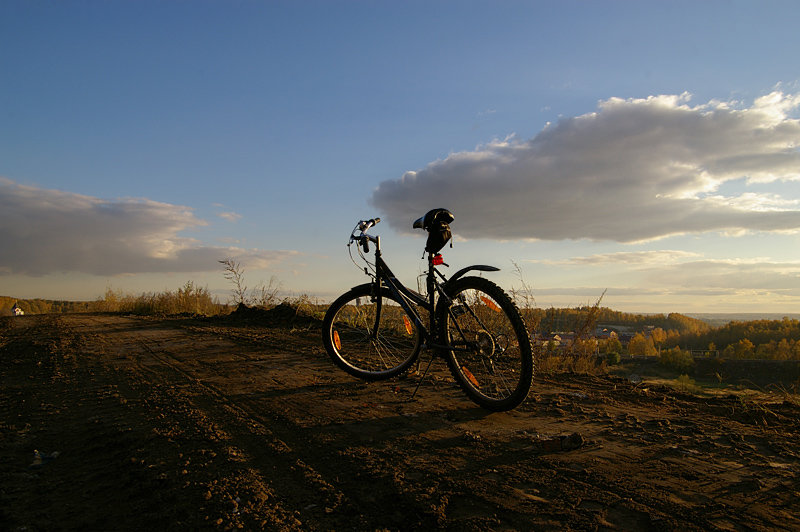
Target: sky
[645,152]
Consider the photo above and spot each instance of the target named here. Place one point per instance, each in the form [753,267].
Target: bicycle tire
[349,340]
[490,355]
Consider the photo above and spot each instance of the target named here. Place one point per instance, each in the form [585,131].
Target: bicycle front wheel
[489,350]
[369,340]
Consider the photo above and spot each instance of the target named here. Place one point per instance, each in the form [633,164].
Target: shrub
[676,359]
[550,363]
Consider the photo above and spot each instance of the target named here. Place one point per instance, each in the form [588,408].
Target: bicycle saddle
[433,219]
[437,223]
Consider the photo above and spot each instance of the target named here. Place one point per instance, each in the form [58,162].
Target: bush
[613,358]
[550,363]
[676,359]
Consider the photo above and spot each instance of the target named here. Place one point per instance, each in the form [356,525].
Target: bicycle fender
[359,286]
[478,267]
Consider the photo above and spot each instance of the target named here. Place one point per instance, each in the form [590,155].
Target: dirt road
[112,422]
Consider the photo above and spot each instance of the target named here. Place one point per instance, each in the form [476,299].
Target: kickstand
[433,356]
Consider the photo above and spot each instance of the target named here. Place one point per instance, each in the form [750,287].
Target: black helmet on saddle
[437,223]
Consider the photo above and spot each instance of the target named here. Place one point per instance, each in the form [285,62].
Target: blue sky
[645,149]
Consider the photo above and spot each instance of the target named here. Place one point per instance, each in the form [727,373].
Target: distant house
[16,310]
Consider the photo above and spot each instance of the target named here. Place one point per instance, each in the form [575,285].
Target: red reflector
[438,259]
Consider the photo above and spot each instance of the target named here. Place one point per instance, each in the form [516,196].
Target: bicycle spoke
[365,349]
[490,354]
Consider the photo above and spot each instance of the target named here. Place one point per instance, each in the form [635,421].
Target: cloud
[666,256]
[683,280]
[734,275]
[633,170]
[746,284]
[230,216]
[48,231]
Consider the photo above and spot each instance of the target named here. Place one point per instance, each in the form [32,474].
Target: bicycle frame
[385,277]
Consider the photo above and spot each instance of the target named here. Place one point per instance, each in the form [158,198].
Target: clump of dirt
[283,315]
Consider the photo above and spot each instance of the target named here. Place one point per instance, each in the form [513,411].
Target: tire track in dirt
[195,414]
[73,455]
[647,433]
[241,420]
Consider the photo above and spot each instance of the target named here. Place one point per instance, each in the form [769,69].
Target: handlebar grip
[366,224]
[365,244]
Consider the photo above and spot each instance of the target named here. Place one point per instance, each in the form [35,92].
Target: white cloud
[633,170]
[49,231]
[230,216]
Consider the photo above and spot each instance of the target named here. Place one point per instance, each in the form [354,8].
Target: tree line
[756,339]
[575,319]
[674,336]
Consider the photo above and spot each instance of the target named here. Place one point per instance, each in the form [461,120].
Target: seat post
[378,262]
[431,286]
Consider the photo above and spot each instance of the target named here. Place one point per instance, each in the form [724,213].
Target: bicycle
[376,331]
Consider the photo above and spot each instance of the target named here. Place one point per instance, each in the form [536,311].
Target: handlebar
[363,238]
[364,225]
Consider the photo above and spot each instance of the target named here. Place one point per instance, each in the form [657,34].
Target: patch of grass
[684,383]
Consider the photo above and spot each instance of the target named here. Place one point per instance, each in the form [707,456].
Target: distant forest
[579,318]
[757,339]
[648,334]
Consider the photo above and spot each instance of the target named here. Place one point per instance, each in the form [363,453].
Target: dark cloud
[48,231]
[634,170]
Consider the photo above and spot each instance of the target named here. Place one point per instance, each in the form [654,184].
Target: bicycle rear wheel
[367,340]
[490,351]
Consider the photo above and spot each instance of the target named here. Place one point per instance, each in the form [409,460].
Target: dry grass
[576,357]
[522,295]
[684,383]
[190,298]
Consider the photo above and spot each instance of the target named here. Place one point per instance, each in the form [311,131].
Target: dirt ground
[114,422]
